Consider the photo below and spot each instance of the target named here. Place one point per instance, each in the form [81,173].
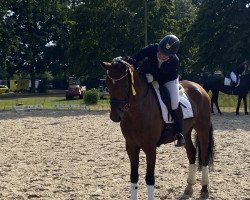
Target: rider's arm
[145,53]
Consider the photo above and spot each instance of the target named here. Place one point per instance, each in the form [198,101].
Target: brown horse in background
[134,105]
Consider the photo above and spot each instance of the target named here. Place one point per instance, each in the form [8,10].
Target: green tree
[185,13]
[8,40]
[106,29]
[220,34]
[37,30]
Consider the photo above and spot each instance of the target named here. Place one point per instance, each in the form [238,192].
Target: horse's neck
[144,104]
[142,88]
[247,80]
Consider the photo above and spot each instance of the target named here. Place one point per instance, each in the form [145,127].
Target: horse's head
[119,82]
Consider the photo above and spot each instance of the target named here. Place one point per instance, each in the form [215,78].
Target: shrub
[91,96]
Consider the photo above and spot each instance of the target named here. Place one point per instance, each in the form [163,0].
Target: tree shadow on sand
[5,115]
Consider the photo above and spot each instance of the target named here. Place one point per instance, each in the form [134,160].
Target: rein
[126,105]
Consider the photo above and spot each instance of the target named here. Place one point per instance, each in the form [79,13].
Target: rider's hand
[150,78]
[130,60]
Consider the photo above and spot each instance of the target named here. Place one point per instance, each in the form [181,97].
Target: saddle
[165,105]
[228,82]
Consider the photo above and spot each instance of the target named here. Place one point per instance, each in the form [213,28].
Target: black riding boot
[178,118]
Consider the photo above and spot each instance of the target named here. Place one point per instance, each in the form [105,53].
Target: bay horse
[216,85]
[134,104]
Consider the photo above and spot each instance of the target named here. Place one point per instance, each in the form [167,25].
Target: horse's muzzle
[116,115]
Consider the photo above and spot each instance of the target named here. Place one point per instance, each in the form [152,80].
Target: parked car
[75,90]
[4,89]
[50,86]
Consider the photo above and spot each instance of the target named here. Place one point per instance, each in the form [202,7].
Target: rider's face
[161,56]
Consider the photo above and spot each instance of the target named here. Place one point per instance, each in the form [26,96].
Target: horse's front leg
[238,105]
[150,152]
[215,100]
[133,154]
[204,182]
[212,105]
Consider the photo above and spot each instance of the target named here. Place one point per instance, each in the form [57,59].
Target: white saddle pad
[185,105]
[227,82]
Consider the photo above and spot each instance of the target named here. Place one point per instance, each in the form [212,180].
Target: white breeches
[173,88]
[233,77]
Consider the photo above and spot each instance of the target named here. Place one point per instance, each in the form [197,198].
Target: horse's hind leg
[245,103]
[191,153]
[205,150]
[133,154]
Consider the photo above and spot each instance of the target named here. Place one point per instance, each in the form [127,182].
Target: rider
[237,72]
[163,63]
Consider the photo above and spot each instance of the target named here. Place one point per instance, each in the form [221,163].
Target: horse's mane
[131,65]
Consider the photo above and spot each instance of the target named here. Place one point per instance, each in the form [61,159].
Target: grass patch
[229,102]
[49,102]
[226,102]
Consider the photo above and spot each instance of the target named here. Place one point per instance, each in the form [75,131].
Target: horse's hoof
[188,190]
[204,192]
[204,195]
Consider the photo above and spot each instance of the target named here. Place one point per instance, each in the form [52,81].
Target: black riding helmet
[169,45]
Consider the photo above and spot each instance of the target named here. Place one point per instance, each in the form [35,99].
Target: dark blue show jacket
[168,70]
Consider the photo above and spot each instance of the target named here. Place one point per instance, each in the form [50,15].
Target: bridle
[122,77]
[123,104]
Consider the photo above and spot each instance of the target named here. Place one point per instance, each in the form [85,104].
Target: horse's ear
[105,65]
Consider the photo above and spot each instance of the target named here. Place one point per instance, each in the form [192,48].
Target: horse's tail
[210,150]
